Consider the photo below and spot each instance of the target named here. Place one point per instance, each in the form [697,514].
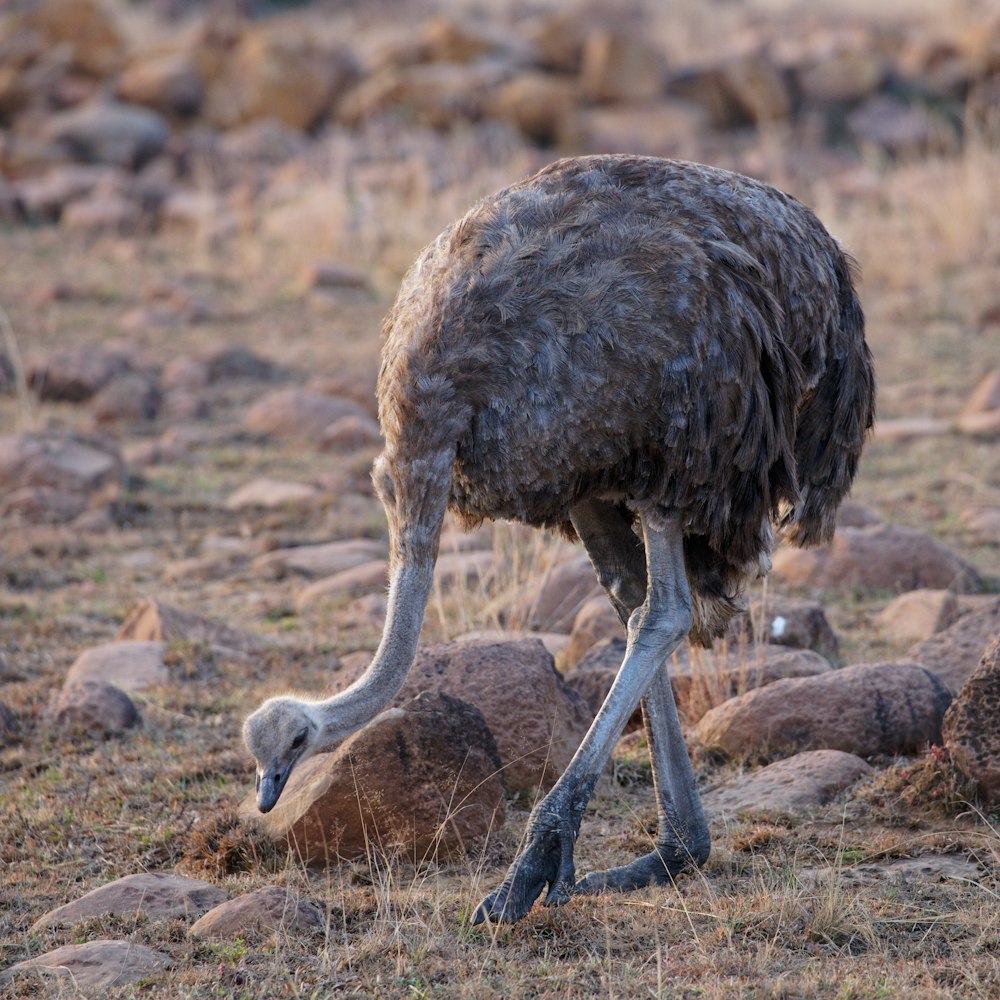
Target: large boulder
[865,709]
[972,726]
[801,782]
[880,558]
[917,615]
[954,653]
[154,895]
[419,779]
[94,965]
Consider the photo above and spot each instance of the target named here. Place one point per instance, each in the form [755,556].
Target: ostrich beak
[269,787]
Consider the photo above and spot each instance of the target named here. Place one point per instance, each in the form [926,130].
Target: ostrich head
[280,734]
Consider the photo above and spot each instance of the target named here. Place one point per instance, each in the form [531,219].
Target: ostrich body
[660,358]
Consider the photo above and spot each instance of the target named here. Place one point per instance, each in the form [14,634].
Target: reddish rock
[351,433]
[954,653]
[785,621]
[552,601]
[851,514]
[667,127]
[972,726]
[153,621]
[985,398]
[879,558]
[271,493]
[984,425]
[131,666]
[865,709]
[103,212]
[297,413]
[95,965]
[273,910]
[169,82]
[539,105]
[910,428]
[793,785]
[917,615]
[620,67]
[154,895]
[330,274]
[595,620]
[234,361]
[321,560]
[133,396]
[420,779]
[367,576]
[87,28]
[94,707]
[76,374]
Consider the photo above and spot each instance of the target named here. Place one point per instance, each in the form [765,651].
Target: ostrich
[659,358]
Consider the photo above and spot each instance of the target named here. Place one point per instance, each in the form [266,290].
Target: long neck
[348,711]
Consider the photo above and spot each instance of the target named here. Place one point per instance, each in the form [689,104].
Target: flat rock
[363,578]
[954,653]
[113,132]
[972,726]
[925,868]
[153,621]
[321,560]
[785,621]
[879,558]
[298,413]
[271,493]
[865,709]
[552,602]
[154,895]
[700,678]
[267,911]
[801,782]
[537,720]
[94,707]
[131,666]
[418,779]
[95,965]
[917,615]
[69,463]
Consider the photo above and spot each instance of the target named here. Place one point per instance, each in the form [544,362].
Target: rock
[972,726]
[595,620]
[103,212]
[793,785]
[87,28]
[670,127]
[557,37]
[265,142]
[985,398]
[900,129]
[234,361]
[154,895]
[351,434]
[124,135]
[982,522]
[865,709]
[537,720]
[330,274]
[133,396]
[453,40]
[365,577]
[785,621]
[539,105]
[879,558]
[76,374]
[851,514]
[45,198]
[96,965]
[554,642]
[185,372]
[53,476]
[841,74]
[910,428]
[314,561]
[153,621]
[984,425]
[273,910]
[131,666]
[168,82]
[418,779]
[463,569]
[94,707]
[620,67]
[552,602]
[917,615]
[9,724]
[954,653]
[700,678]
[271,493]
[297,413]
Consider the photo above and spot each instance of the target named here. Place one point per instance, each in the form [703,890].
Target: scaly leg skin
[654,630]
[682,839]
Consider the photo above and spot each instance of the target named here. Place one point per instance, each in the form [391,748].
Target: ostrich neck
[348,711]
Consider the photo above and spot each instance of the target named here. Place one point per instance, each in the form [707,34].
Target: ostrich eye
[299,740]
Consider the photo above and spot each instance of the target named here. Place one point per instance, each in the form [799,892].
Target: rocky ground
[203,221]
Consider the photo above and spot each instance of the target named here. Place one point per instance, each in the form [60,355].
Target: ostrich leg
[682,837]
[654,629]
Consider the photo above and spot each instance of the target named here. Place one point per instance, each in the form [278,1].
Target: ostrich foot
[656,868]
[547,860]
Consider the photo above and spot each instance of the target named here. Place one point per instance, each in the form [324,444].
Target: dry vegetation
[782,908]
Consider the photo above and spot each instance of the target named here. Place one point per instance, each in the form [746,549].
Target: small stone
[879,558]
[865,709]
[153,621]
[297,413]
[984,425]
[271,493]
[267,911]
[124,135]
[917,615]
[330,274]
[133,396]
[96,965]
[185,372]
[851,514]
[76,374]
[154,895]
[985,398]
[983,522]
[667,127]
[94,707]
[351,433]
[419,779]
[792,785]
[972,726]
[538,104]
[321,560]
[954,653]
[131,666]
[9,724]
